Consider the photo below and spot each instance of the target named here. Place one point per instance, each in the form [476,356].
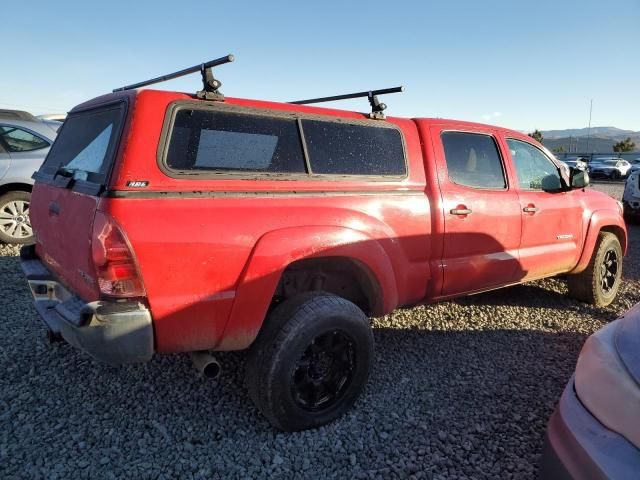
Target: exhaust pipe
[206,364]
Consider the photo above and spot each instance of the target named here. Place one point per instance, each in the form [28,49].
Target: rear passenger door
[481,212]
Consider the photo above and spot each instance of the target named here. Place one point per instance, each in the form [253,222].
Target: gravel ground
[462,389]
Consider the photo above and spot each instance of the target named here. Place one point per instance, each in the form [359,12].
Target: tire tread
[584,286]
[280,326]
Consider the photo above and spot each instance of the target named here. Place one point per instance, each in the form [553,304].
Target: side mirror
[551,183]
[579,178]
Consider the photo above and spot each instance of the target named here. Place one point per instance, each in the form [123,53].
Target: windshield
[86,144]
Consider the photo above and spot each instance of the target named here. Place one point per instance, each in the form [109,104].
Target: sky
[522,65]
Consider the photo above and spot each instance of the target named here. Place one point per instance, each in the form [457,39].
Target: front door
[551,218]
[481,213]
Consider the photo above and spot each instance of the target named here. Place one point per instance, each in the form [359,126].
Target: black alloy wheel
[324,371]
[609,271]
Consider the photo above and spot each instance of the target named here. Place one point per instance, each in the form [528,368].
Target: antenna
[377,107]
[210,85]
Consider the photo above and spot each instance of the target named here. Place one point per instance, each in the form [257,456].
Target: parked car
[24,143]
[579,162]
[635,165]
[613,168]
[167,222]
[594,431]
[631,198]
[54,117]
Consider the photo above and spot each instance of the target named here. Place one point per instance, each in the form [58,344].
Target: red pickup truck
[167,222]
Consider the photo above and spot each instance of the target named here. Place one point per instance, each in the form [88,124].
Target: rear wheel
[310,362]
[15,226]
[598,284]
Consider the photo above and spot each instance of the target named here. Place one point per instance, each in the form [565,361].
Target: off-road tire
[586,286]
[284,341]
[5,199]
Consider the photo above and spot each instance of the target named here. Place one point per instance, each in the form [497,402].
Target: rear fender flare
[610,220]
[276,250]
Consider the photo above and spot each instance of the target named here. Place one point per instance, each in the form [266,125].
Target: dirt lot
[462,389]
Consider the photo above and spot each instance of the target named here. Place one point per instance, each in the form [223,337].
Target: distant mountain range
[601,139]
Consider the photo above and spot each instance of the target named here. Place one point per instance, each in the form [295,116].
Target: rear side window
[224,141]
[347,149]
[86,144]
[473,160]
[19,140]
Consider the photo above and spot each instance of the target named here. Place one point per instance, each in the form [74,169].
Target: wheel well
[618,232]
[342,276]
[15,187]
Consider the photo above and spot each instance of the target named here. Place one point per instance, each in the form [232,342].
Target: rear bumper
[578,446]
[111,332]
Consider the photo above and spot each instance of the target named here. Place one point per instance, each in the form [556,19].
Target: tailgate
[62,221]
[66,194]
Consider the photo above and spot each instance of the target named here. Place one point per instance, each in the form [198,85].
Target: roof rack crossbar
[210,84]
[377,107]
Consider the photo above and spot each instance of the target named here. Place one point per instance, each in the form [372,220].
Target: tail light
[116,269]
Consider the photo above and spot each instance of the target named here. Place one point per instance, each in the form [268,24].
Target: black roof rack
[210,85]
[17,115]
[377,107]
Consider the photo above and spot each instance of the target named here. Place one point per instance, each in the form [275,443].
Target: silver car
[24,142]
[595,430]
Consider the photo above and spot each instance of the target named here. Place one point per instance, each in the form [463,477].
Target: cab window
[534,169]
[473,160]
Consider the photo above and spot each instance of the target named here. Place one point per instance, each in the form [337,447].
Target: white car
[611,167]
[577,162]
[631,197]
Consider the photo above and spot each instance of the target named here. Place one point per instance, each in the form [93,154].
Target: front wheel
[15,226]
[310,361]
[598,284]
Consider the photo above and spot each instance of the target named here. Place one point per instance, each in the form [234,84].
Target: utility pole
[589,129]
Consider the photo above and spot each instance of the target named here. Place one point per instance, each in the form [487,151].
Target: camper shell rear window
[221,140]
[86,145]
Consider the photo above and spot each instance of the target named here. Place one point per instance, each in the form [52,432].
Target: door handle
[530,209]
[460,210]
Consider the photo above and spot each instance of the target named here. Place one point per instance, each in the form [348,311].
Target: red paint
[209,265]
